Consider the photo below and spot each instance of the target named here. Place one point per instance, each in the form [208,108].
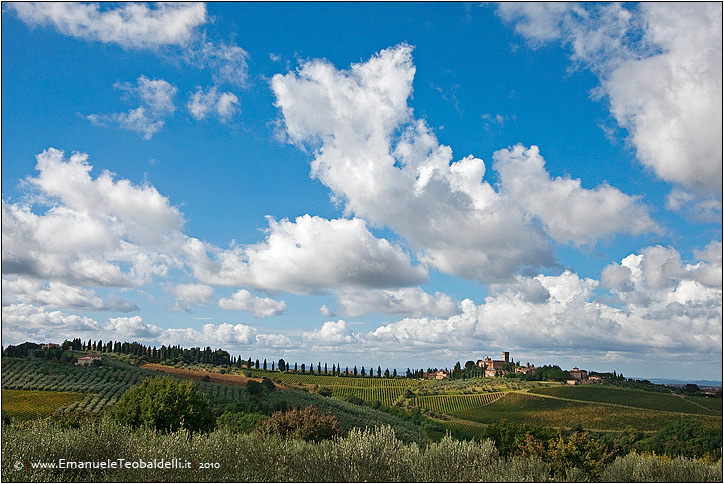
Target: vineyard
[30,404]
[385,395]
[559,413]
[104,384]
[455,403]
[634,398]
[465,427]
[331,381]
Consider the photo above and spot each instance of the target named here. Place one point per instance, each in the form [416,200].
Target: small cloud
[157,103]
[202,103]
[243,300]
[326,312]
[496,119]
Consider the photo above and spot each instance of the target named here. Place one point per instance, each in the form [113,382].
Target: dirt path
[233,380]
[711,411]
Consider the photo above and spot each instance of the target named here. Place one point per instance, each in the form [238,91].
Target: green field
[632,398]
[535,410]
[30,404]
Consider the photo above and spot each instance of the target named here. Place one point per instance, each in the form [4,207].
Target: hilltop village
[490,368]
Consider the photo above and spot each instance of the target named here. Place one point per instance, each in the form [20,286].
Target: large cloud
[412,301]
[389,168]
[569,212]
[97,232]
[109,232]
[662,307]
[59,295]
[308,255]
[660,65]
[26,322]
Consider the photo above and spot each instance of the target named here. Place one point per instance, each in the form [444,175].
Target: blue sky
[394,184]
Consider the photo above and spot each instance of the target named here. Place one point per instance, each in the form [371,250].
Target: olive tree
[165,404]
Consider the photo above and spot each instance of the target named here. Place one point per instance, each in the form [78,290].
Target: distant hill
[671,381]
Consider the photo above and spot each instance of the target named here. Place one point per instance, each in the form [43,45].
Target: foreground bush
[651,468]
[165,404]
[305,424]
[373,455]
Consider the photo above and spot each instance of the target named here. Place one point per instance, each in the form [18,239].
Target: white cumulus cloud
[331,334]
[190,295]
[308,255]
[569,212]
[390,169]
[97,232]
[660,67]
[412,301]
[243,300]
[59,295]
[131,25]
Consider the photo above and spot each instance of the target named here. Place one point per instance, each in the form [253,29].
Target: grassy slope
[529,408]
[628,397]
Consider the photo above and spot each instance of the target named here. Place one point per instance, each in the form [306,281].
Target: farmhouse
[87,360]
[579,375]
[435,375]
[494,367]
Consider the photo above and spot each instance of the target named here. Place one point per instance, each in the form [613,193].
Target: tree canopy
[165,404]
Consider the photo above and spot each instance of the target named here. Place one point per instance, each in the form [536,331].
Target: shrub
[253,387]
[164,404]
[305,424]
[650,468]
[268,385]
[239,422]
